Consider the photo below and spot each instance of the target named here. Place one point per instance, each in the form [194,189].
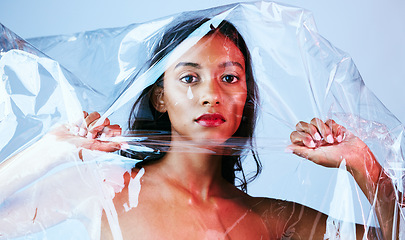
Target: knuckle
[294,136]
[95,114]
[330,123]
[313,129]
[300,124]
[317,122]
[307,139]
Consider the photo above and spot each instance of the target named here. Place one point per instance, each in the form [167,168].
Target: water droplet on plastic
[189,93]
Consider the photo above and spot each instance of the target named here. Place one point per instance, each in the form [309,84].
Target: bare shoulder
[282,208]
[263,205]
[290,219]
[270,208]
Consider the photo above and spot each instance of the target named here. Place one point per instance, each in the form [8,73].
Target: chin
[211,140]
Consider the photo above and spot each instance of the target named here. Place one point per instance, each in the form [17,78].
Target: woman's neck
[197,173]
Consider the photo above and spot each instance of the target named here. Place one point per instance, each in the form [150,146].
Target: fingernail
[90,135]
[329,139]
[312,144]
[339,138]
[317,136]
[82,132]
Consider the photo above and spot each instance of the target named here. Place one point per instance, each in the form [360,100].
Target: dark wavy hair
[232,163]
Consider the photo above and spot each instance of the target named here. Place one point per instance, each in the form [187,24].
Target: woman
[160,120]
[193,195]
[208,95]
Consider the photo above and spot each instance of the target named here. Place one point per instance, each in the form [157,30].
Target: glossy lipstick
[210,120]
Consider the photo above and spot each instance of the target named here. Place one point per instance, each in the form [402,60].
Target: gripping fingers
[85,114]
[111,131]
[310,129]
[92,118]
[102,146]
[317,132]
[323,129]
[302,138]
[337,130]
[95,131]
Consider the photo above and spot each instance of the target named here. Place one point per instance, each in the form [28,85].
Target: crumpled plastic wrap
[54,190]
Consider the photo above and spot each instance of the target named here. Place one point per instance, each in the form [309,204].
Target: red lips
[210,120]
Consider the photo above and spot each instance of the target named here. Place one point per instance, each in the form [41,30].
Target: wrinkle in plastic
[52,187]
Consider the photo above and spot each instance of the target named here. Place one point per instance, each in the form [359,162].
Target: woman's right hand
[89,136]
[63,144]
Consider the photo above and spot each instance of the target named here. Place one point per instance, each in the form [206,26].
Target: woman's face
[205,90]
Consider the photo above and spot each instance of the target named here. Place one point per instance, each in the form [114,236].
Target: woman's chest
[173,220]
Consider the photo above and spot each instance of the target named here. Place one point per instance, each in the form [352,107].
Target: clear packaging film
[191,108]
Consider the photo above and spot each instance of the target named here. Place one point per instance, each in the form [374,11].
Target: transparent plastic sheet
[52,187]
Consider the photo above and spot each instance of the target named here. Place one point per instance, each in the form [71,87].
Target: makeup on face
[205,90]
[211,120]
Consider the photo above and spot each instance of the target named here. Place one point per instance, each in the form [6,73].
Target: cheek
[236,105]
[240,100]
[179,100]
[172,96]
[178,107]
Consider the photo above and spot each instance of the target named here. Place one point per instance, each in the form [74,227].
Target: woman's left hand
[328,143]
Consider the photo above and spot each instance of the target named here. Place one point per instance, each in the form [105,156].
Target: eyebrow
[230,64]
[198,66]
[191,64]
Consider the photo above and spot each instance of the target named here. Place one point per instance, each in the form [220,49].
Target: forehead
[214,48]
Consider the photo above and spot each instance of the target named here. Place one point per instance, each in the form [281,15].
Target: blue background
[371,31]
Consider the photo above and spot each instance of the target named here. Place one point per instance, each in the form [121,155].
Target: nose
[211,93]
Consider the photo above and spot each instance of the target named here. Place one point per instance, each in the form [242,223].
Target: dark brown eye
[230,79]
[189,79]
